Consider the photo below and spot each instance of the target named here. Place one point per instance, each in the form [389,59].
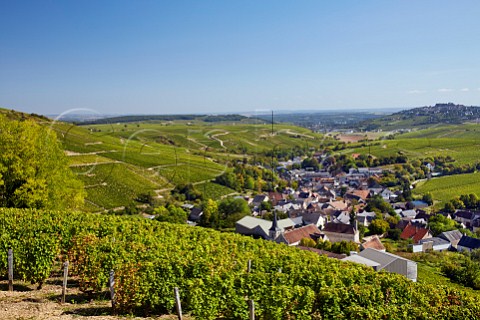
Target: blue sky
[230,55]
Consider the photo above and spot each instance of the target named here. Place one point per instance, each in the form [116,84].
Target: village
[349,216]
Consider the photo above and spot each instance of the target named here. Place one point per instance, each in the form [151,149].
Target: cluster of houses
[321,207]
[317,211]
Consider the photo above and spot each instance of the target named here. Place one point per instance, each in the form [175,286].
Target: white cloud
[444,90]
[465,89]
[416,91]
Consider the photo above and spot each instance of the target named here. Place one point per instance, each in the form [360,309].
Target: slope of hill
[441,113]
[118,162]
[210,268]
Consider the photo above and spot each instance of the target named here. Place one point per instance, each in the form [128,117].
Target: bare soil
[26,302]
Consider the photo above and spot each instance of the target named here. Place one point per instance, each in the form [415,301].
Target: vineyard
[446,188]
[210,268]
[153,157]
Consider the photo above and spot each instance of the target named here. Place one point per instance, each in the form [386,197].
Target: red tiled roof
[363,194]
[298,234]
[414,232]
[324,252]
[373,243]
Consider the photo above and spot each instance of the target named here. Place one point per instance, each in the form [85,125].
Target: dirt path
[28,303]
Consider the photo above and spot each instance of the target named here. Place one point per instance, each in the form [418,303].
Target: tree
[171,214]
[427,197]
[210,217]
[378,226]
[34,171]
[440,223]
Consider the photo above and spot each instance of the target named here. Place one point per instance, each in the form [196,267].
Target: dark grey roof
[451,236]
[469,242]
[436,241]
[339,228]
[466,214]
[195,214]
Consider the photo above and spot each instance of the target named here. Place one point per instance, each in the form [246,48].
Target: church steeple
[274,230]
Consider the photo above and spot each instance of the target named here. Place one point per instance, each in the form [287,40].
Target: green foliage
[379,205]
[150,258]
[307,242]
[439,223]
[378,226]
[170,214]
[34,171]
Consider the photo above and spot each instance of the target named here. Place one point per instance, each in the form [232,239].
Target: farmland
[463,150]
[446,188]
[117,162]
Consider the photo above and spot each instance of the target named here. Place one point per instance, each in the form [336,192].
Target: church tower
[275,230]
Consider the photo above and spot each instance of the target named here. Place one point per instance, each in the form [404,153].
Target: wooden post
[251,310]
[178,303]
[111,285]
[10,270]
[65,276]
[249,266]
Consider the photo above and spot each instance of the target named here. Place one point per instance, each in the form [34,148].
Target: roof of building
[260,198]
[383,258]
[374,243]
[250,222]
[436,241]
[409,213]
[414,232]
[466,214]
[362,260]
[451,236]
[295,235]
[339,205]
[339,228]
[469,242]
[324,252]
[363,194]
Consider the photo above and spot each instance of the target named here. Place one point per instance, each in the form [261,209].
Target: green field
[449,187]
[463,146]
[117,162]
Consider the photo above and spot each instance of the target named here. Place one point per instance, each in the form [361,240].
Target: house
[365,218]
[466,217]
[410,214]
[379,260]
[337,232]
[258,199]
[259,228]
[467,243]
[341,217]
[415,233]
[293,237]
[431,244]
[453,237]
[372,242]
[388,195]
[195,215]
[315,218]
[359,195]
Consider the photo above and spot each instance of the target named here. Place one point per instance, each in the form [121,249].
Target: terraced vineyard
[117,162]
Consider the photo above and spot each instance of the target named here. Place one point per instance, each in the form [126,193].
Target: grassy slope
[449,187]
[119,161]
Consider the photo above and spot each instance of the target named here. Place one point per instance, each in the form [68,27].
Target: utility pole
[272,122]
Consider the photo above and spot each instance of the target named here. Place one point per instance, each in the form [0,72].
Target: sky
[216,56]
